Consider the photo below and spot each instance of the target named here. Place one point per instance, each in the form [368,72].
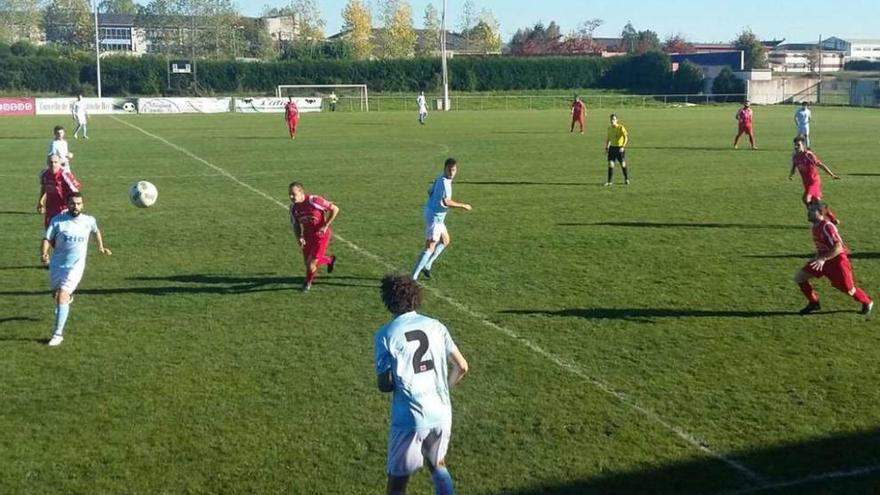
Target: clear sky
[718,20]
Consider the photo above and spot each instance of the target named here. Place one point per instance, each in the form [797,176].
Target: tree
[677,44]
[359,24]
[726,83]
[398,35]
[118,7]
[688,79]
[431,30]
[20,20]
[309,23]
[536,40]
[485,36]
[467,21]
[629,37]
[69,22]
[754,53]
[647,41]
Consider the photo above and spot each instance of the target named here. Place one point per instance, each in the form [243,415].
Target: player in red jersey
[578,113]
[57,183]
[808,164]
[311,216]
[832,261]
[744,117]
[291,114]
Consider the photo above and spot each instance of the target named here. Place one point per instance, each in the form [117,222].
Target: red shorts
[291,123]
[814,191]
[577,118]
[745,129]
[316,245]
[838,271]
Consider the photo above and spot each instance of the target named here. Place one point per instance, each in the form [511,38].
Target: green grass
[193,364]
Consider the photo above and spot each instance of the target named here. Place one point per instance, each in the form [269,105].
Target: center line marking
[572,368]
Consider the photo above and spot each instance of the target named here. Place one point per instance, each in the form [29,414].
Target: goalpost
[306,90]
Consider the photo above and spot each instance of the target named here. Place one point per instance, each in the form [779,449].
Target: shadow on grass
[847,463]
[11,319]
[692,225]
[218,284]
[518,183]
[23,267]
[647,314]
[863,175]
[15,212]
[809,256]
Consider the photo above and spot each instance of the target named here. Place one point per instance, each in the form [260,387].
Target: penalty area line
[572,368]
[809,480]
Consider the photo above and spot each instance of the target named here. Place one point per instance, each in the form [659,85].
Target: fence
[385,103]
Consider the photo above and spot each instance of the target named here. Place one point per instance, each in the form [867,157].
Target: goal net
[350,97]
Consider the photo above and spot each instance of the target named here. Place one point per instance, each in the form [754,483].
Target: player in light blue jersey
[69,233]
[802,119]
[411,362]
[439,202]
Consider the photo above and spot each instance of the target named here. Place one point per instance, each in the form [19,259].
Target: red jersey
[310,213]
[807,163]
[577,109]
[825,236]
[291,110]
[744,116]
[58,184]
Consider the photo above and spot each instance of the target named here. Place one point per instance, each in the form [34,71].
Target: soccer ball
[143,194]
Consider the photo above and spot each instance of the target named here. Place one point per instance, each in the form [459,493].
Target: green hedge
[123,76]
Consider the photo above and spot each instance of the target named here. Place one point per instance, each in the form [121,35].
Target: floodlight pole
[97,50]
[443,58]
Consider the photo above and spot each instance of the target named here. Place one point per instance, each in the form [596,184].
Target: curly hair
[400,294]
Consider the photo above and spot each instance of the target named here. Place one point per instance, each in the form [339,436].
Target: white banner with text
[275,105]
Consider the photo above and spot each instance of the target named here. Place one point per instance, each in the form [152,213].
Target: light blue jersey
[415,348]
[441,189]
[71,237]
[802,118]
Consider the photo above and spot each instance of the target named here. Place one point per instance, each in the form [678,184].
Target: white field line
[808,480]
[567,366]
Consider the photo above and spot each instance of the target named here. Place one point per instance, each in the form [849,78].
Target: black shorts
[616,154]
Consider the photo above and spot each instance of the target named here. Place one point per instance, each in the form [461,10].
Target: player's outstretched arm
[828,171]
[791,172]
[100,240]
[44,252]
[459,368]
[451,203]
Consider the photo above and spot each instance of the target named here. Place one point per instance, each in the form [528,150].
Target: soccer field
[631,339]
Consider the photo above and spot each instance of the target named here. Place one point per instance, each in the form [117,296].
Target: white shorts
[66,279]
[434,230]
[408,449]
[423,111]
[80,121]
[803,131]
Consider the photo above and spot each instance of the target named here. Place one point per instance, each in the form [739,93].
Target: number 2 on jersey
[420,366]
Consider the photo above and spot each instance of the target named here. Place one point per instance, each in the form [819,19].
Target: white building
[804,57]
[855,49]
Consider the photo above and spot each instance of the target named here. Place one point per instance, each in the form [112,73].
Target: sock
[437,250]
[422,261]
[61,312]
[808,291]
[861,297]
[625,173]
[85,130]
[610,175]
[442,482]
[310,277]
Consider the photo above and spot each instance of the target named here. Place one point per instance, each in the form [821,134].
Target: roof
[731,58]
[116,19]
